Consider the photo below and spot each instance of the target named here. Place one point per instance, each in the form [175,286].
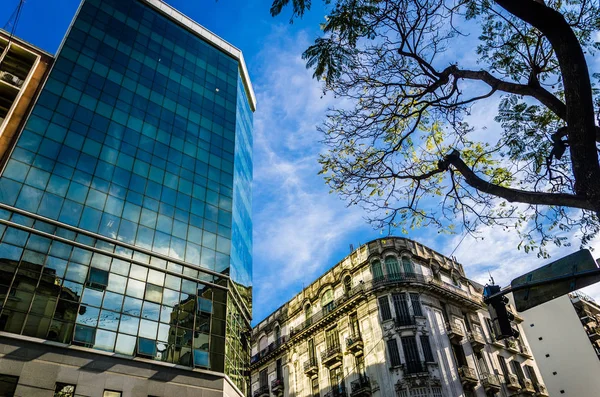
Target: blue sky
[300,230]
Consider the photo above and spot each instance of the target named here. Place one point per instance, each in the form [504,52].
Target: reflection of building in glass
[125,201]
[394,318]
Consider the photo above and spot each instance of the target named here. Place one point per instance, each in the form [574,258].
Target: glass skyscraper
[125,221]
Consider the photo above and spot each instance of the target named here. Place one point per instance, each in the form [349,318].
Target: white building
[394,318]
[564,335]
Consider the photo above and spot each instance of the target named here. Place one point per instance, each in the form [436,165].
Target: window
[384,308]
[327,301]
[444,312]
[519,371]
[459,355]
[278,369]
[481,364]
[315,386]
[347,284]
[436,392]
[415,301]
[419,392]
[504,368]
[354,329]
[490,328]
[263,378]
[332,338]
[277,333]
[308,314]
[411,355]
[336,380]
[377,271]
[401,307]
[111,393]
[408,265]
[311,349]
[392,346]
[426,346]
[64,390]
[392,267]
[532,375]
[8,385]
[98,278]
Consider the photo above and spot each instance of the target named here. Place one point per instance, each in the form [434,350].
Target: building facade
[567,351]
[125,225]
[394,318]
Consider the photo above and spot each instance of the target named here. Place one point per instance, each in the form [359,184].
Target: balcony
[512,382]
[477,340]
[527,387]
[268,350]
[337,391]
[354,344]
[360,387]
[415,369]
[541,390]
[491,383]
[512,346]
[332,357]
[262,391]
[311,367]
[405,321]
[467,375]
[277,387]
[525,352]
[594,333]
[454,331]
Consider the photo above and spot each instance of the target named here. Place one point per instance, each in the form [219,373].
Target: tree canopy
[404,150]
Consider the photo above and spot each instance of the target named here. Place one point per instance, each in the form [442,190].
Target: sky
[300,230]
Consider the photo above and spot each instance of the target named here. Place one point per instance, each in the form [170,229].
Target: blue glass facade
[133,179]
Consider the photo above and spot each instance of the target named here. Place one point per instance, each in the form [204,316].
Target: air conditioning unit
[11,78]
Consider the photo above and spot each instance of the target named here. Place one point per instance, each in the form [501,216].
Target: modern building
[125,224]
[394,318]
[564,336]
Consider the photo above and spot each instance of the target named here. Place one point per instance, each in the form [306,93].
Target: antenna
[351,248]
[491,278]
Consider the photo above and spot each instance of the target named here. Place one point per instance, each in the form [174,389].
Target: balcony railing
[467,375]
[454,331]
[262,391]
[354,343]
[490,382]
[524,351]
[331,355]
[277,386]
[269,349]
[512,345]
[337,391]
[311,366]
[512,382]
[415,368]
[361,386]
[541,390]
[378,283]
[477,339]
[527,386]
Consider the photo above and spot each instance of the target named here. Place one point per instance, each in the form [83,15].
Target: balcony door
[332,338]
[354,330]
[401,307]
[411,354]
[392,267]
[336,381]
[263,378]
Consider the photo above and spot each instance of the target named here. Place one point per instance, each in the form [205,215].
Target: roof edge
[211,38]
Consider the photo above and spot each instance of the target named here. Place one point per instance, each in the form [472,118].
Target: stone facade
[394,318]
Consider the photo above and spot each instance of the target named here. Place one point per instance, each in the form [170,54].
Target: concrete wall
[40,364]
[562,348]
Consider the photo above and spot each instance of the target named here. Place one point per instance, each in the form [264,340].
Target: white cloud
[298,226]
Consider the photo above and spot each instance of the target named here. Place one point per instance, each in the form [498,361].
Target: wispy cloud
[298,226]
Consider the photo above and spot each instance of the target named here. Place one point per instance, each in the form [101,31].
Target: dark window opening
[392,346]
[384,308]
[426,346]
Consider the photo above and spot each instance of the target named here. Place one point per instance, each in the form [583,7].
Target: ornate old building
[394,318]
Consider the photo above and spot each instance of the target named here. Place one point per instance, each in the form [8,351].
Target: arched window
[308,314]
[392,267]
[408,266]
[262,343]
[277,333]
[347,284]
[376,270]
[327,301]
